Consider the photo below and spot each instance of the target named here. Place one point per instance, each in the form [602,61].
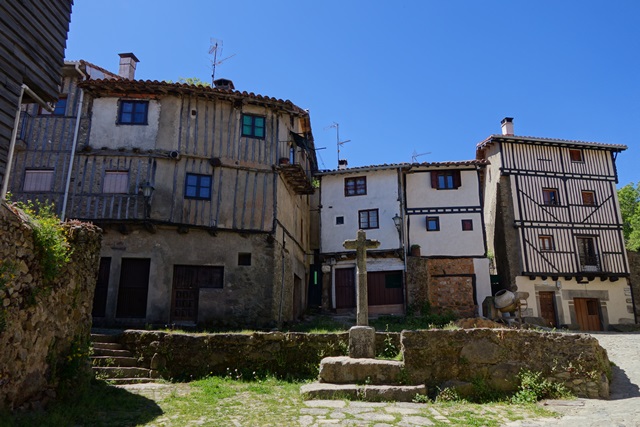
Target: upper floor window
[588,198]
[253,126]
[38,180]
[59,109]
[244,258]
[339,220]
[197,186]
[576,155]
[467,225]
[133,112]
[550,196]
[546,243]
[446,180]
[116,182]
[368,219]
[355,186]
[433,223]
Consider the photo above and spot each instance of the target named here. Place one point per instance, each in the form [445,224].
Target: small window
[576,155]
[433,223]
[467,225]
[588,198]
[197,187]
[546,243]
[446,180]
[355,186]
[339,220]
[38,180]
[244,258]
[253,126]
[116,182]
[133,112]
[393,280]
[59,109]
[550,196]
[368,219]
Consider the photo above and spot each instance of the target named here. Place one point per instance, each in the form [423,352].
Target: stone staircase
[112,363]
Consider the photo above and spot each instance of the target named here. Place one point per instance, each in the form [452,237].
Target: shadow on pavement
[621,386]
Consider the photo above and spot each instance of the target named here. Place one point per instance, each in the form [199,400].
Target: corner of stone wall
[634,279]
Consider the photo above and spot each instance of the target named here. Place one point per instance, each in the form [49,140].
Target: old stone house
[553,222]
[202,193]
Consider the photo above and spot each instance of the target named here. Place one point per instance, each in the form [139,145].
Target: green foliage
[448,395]
[533,388]
[195,81]
[629,198]
[415,319]
[389,350]
[49,236]
[421,398]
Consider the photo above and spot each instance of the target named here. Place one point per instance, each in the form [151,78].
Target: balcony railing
[590,263]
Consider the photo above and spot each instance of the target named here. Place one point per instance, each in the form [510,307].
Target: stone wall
[634,265]
[497,355]
[44,328]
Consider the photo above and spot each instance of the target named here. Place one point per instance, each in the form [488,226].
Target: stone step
[107,345]
[110,352]
[348,370]
[113,361]
[105,338]
[369,393]
[120,372]
[123,381]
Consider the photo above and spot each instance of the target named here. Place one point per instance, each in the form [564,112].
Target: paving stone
[314,411]
[403,411]
[325,403]
[305,420]
[324,422]
[337,415]
[415,421]
[357,404]
[375,416]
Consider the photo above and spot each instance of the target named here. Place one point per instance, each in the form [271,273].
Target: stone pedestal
[362,342]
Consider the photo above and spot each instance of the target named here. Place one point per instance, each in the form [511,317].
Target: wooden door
[133,288]
[384,287]
[102,287]
[345,287]
[187,282]
[548,308]
[588,313]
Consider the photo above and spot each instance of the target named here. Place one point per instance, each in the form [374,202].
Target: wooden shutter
[457,181]
[434,179]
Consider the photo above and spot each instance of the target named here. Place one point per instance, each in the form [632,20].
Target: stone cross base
[362,342]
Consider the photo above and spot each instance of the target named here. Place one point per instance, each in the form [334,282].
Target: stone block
[362,342]
[346,370]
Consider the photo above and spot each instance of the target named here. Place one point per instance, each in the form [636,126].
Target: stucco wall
[44,327]
[105,132]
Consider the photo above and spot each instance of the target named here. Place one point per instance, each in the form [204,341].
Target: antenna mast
[415,155]
[338,142]
[215,46]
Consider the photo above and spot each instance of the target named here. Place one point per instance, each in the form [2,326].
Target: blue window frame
[253,126]
[197,187]
[133,112]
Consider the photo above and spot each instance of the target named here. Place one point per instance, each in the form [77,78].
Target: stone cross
[361,244]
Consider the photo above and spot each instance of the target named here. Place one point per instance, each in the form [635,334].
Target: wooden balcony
[297,178]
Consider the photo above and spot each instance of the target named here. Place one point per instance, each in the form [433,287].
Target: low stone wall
[497,355]
[188,356]
[44,329]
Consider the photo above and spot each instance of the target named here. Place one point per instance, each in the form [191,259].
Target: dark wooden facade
[33,37]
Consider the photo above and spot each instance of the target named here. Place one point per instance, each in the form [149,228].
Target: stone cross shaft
[361,244]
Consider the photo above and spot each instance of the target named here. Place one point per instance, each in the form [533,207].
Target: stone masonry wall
[44,329]
[634,265]
[439,357]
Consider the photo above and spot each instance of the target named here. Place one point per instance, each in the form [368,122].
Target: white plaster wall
[105,132]
[451,240]
[420,194]
[382,194]
[483,279]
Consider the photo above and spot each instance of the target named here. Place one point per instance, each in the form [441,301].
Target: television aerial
[338,142]
[215,49]
[415,155]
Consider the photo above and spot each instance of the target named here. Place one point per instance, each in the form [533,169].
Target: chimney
[342,164]
[507,126]
[225,84]
[128,62]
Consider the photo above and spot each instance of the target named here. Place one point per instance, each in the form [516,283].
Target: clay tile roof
[406,166]
[552,141]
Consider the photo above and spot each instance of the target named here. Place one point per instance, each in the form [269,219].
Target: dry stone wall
[44,328]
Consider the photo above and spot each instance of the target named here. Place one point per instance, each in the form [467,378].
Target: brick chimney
[128,62]
[507,126]
[225,84]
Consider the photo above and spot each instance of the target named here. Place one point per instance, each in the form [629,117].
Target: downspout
[402,238]
[14,134]
[284,242]
[73,147]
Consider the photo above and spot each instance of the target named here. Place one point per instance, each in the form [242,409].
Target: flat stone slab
[347,370]
[369,393]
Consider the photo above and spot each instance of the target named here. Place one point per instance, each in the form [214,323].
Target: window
[355,186]
[252,126]
[339,220]
[133,112]
[244,258]
[550,196]
[433,223]
[467,225]
[576,155]
[588,198]
[59,109]
[368,219]
[197,187]
[446,180]
[116,182]
[546,243]
[38,180]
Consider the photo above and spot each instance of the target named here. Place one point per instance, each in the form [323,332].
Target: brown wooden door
[384,287]
[187,281]
[588,313]
[133,289]
[102,287]
[548,308]
[345,287]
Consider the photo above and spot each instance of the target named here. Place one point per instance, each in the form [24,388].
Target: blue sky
[399,77]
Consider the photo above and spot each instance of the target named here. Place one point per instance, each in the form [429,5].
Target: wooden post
[361,244]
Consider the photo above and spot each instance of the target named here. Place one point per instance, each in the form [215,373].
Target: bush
[534,388]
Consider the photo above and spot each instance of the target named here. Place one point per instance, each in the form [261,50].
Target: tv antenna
[415,155]
[338,142]
[215,49]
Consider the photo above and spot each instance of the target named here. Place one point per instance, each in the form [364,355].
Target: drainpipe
[403,239]
[284,242]
[14,134]
[73,147]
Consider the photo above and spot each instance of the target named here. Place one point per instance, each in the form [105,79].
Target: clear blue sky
[429,76]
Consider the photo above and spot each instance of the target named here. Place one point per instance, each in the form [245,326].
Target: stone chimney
[507,126]
[128,62]
[342,164]
[225,84]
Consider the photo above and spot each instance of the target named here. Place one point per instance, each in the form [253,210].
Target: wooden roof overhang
[550,142]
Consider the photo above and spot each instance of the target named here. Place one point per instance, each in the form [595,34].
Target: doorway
[548,308]
[588,313]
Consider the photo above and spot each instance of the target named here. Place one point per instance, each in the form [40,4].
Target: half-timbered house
[202,193]
[553,222]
